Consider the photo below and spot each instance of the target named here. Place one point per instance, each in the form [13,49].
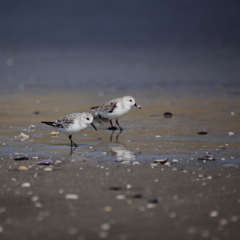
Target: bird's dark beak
[137,106]
[94,126]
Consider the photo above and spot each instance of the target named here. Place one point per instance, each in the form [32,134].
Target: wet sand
[120,193]
[60,57]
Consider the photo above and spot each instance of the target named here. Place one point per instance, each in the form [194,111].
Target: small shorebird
[115,109]
[72,123]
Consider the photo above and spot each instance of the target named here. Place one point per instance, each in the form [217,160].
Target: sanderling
[72,123]
[115,109]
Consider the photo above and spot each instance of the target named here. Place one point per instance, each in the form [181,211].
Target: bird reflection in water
[120,151]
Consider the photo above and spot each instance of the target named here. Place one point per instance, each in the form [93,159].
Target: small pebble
[141,209]
[105,226]
[26,184]
[191,230]
[38,204]
[21,158]
[202,133]
[234,218]
[151,205]
[35,198]
[120,197]
[223,222]
[213,214]
[137,196]
[48,169]
[71,196]
[108,209]
[205,233]
[167,115]
[23,168]
[154,200]
[158,136]
[172,215]
[231,133]
[135,163]
[103,234]
[2,210]
[115,188]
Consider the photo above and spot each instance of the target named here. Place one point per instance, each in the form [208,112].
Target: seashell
[161,161]
[207,158]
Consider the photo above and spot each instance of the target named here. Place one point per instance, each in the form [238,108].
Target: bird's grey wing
[108,107]
[64,122]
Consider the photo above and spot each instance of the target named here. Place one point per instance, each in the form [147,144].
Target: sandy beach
[65,57]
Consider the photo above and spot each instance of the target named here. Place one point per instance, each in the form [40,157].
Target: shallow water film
[174,170]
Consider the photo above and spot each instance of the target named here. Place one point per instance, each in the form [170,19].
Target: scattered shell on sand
[213,214]
[23,168]
[48,169]
[54,133]
[120,197]
[151,205]
[223,221]
[71,196]
[103,234]
[207,158]
[45,162]
[35,198]
[108,209]
[38,204]
[22,136]
[161,161]
[26,184]
[31,127]
[105,226]
[231,133]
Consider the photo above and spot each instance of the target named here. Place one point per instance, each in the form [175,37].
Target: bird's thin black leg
[112,127]
[119,125]
[72,143]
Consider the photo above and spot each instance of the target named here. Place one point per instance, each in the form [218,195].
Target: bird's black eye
[88,119]
[130,100]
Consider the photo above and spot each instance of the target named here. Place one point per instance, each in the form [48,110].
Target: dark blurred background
[116,44]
